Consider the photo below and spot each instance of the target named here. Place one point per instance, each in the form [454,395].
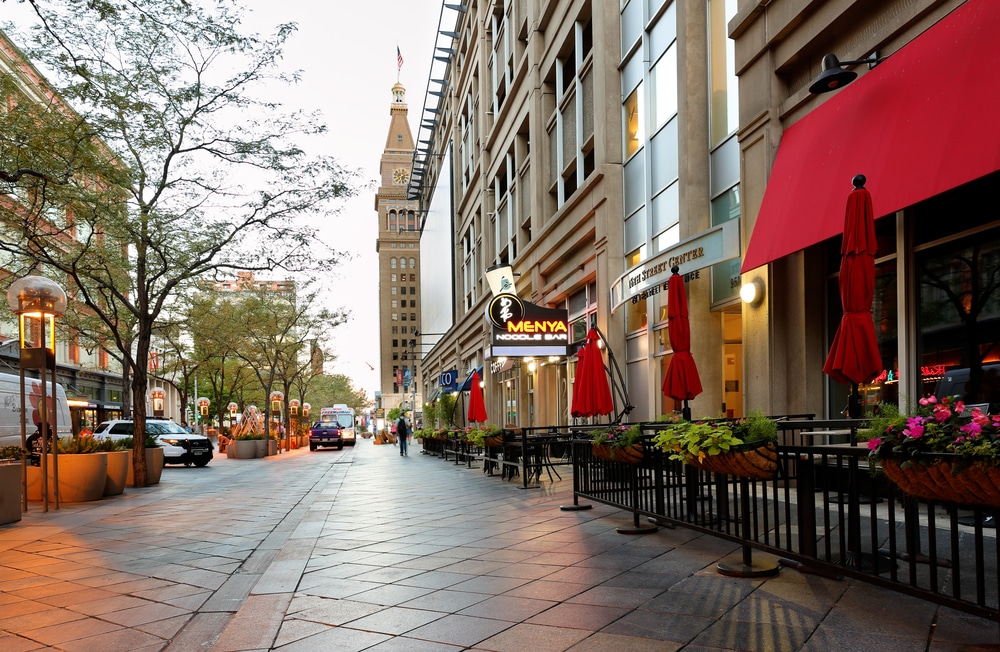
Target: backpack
[401,427]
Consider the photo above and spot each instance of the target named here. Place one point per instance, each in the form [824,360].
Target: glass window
[663,77]
[634,133]
[722,71]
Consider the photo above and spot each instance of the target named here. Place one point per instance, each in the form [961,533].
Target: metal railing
[824,512]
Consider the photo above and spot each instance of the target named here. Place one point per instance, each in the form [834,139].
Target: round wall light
[752,292]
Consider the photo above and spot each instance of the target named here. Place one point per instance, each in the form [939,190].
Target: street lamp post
[277,399]
[37,301]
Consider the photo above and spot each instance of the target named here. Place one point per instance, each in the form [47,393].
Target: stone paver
[363,550]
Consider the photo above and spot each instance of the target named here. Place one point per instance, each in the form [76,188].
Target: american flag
[399,59]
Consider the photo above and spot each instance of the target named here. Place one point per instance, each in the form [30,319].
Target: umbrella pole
[620,386]
[686,411]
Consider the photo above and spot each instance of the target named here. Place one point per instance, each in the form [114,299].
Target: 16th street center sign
[524,329]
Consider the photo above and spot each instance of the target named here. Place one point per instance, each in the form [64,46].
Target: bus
[344,416]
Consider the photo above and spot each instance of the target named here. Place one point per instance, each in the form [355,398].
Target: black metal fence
[824,512]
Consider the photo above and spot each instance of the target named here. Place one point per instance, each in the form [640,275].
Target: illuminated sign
[448,380]
[646,279]
[524,329]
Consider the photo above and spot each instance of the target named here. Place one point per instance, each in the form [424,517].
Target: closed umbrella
[477,407]
[854,357]
[591,391]
[681,382]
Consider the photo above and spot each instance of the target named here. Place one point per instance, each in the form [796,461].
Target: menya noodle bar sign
[516,322]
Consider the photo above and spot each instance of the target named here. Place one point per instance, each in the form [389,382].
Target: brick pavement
[363,550]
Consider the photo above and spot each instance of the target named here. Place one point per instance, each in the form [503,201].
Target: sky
[346,52]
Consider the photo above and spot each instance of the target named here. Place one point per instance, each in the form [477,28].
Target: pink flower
[960,407]
[930,400]
[914,427]
[941,414]
[972,429]
[874,443]
[980,418]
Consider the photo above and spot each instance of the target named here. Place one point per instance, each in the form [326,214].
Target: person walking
[402,433]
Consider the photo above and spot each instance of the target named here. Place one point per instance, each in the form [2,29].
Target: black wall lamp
[834,76]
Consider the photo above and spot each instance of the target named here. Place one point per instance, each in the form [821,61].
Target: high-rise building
[398,248]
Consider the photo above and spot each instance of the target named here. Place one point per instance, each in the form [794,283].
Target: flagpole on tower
[399,62]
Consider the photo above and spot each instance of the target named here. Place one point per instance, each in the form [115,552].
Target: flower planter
[154,467]
[493,442]
[81,478]
[245,449]
[977,484]
[749,460]
[261,447]
[119,462]
[10,493]
[631,454]
[272,447]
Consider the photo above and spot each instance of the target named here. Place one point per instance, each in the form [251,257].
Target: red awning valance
[924,121]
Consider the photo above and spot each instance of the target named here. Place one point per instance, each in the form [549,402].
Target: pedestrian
[402,431]
[35,445]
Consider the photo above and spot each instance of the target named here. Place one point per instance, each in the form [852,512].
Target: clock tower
[398,248]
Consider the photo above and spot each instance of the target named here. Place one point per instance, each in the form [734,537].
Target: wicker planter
[631,454]
[748,460]
[493,442]
[975,485]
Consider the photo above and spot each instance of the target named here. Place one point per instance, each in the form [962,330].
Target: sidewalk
[362,549]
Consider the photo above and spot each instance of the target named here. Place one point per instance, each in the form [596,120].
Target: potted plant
[245,445]
[119,462]
[11,466]
[940,452]
[154,460]
[82,473]
[746,447]
[618,442]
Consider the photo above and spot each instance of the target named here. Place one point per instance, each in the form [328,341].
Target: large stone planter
[245,449]
[10,493]
[119,463]
[272,447]
[154,467]
[261,447]
[81,478]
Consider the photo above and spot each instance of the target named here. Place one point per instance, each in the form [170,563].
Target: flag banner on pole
[399,59]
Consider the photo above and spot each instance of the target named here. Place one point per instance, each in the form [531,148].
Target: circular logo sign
[505,308]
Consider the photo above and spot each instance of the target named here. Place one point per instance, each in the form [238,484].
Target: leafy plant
[107,445]
[446,409]
[617,435]
[125,443]
[685,441]
[250,436]
[77,445]
[478,436]
[14,453]
[888,413]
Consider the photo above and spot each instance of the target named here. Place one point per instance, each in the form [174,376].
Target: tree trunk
[139,381]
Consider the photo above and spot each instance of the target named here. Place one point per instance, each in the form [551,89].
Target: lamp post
[233,408]
[277,399]
[37,301]
[203,404]
[156,397]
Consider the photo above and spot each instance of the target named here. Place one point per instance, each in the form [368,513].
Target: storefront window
[958,316]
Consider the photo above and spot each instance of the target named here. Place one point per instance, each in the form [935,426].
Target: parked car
[179,445]
[325,433]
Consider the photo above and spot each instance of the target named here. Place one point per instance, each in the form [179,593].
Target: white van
[10,408]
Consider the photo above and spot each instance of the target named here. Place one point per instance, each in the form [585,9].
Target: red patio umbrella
[477,407]
[854,356]
[591,392]
[681,381]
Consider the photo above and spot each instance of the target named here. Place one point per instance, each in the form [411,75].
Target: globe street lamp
[37,301]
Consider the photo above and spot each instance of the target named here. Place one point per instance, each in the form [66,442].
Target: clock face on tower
[400,175]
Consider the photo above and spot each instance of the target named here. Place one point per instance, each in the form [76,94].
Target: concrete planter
[245,449]
[81,478]
[119,463]
[154,467]
[272,447]
[261,447]
[10,493]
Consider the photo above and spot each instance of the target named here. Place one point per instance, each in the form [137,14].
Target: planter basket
[493,442]
[631,454]
[748,460]
[975,485]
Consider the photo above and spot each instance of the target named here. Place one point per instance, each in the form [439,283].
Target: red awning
[924,121]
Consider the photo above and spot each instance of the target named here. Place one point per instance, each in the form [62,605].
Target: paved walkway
[362,549]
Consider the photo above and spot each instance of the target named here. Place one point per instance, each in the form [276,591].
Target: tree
[169,169]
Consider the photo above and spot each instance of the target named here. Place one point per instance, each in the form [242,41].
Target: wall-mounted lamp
[834,76]
[752,292]
[532,366]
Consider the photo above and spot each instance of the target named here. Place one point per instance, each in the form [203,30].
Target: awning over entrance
[467,384]
[922,122]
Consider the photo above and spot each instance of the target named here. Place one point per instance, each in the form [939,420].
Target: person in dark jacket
[402,432]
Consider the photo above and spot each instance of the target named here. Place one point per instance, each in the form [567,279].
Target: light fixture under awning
[921,123]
